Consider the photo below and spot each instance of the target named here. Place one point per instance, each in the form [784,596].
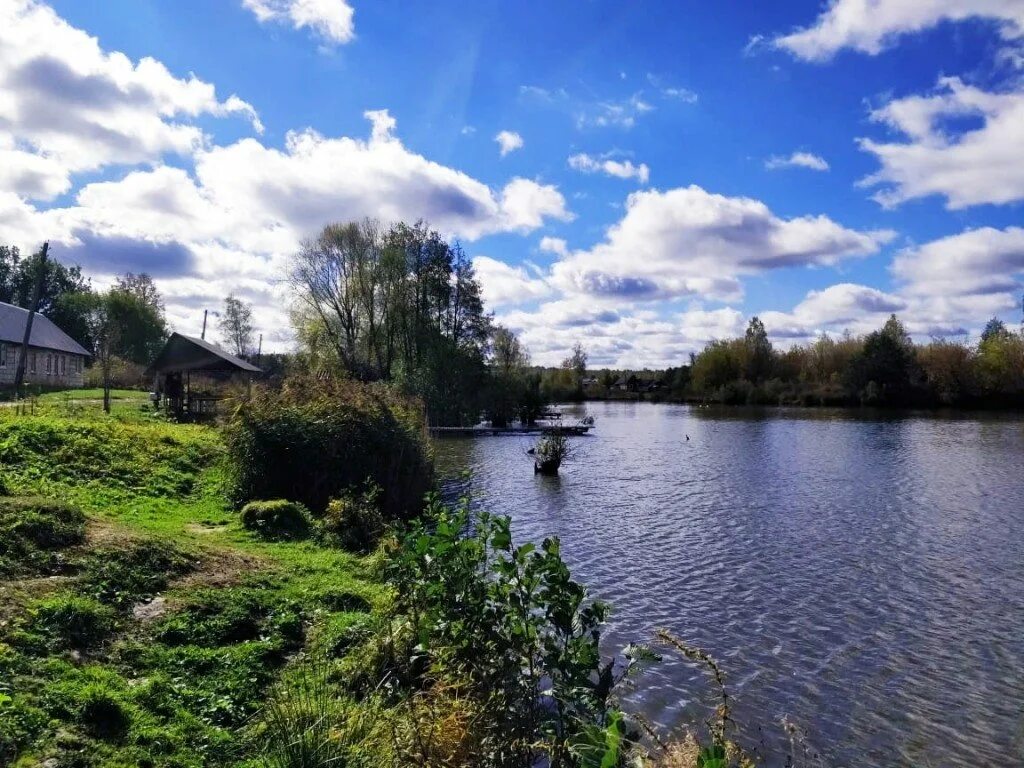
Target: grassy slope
[179,689]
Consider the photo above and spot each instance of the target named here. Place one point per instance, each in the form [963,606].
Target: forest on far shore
[882,368]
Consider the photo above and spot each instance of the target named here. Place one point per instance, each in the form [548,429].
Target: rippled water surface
[863,576]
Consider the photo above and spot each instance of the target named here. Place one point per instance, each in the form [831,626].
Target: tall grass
[301,722]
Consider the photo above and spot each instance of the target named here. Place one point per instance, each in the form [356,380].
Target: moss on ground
[140,623]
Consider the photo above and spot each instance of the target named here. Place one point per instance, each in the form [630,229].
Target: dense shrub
[354,521]
[94,699]
[276,519]
[33,531]
[313,441]
[124,374]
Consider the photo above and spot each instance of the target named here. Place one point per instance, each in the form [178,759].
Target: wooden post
[259,351]
[203,334]
[19,374]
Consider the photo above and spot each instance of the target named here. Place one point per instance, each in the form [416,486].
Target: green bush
[71,621]
[315,441]
[33,530]
[519,636]
[354,521]
[276,519]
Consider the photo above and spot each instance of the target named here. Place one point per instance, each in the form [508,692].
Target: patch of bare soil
[205,528]
[222,568]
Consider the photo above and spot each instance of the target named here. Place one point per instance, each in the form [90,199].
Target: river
[862,575]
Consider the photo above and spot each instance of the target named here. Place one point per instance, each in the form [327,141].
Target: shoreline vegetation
[275,590]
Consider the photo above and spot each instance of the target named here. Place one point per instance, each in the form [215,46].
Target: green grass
[88,680]
[96,393]
[127,405]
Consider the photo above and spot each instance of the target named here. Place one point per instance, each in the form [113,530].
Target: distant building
[54,358]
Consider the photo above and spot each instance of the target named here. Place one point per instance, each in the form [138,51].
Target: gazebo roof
[185,353]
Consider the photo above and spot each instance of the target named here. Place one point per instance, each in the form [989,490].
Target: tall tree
[884,370]
[99,314]
[577,363]
[508,362]
[758,351]
[236,325]
[142,329]
[142,287]
[994,329]
[10,257]
[396,304]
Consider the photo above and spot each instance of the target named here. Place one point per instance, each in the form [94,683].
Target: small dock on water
[482,430]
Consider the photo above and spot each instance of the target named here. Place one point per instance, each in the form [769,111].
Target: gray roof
[187,353]
[45,335]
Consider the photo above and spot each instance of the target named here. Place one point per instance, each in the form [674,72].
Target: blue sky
[664,170]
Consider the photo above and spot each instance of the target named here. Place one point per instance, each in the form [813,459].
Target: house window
[3,355]
[49,364]
[63,365]
[32,363]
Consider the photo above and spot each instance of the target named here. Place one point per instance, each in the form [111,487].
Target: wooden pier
[537,429]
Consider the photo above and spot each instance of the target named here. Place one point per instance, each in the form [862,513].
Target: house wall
[46,367]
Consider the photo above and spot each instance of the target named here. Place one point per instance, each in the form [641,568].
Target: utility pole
[259,351]
[19,374]
[205,313]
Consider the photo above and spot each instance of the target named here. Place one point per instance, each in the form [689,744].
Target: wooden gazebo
[184,357]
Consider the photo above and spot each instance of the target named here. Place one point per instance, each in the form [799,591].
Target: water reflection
[860,572]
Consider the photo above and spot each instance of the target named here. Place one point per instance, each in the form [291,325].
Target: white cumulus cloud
[508,141]
[870,26]
[844,306]
[503,284]
[68,106]
[620,169]
[983,261]
[797,160]
[690,242]
[332,20]
[980,164]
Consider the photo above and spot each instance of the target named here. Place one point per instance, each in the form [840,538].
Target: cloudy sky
[642,176]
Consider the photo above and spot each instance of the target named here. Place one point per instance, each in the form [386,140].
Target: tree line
[884,367]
